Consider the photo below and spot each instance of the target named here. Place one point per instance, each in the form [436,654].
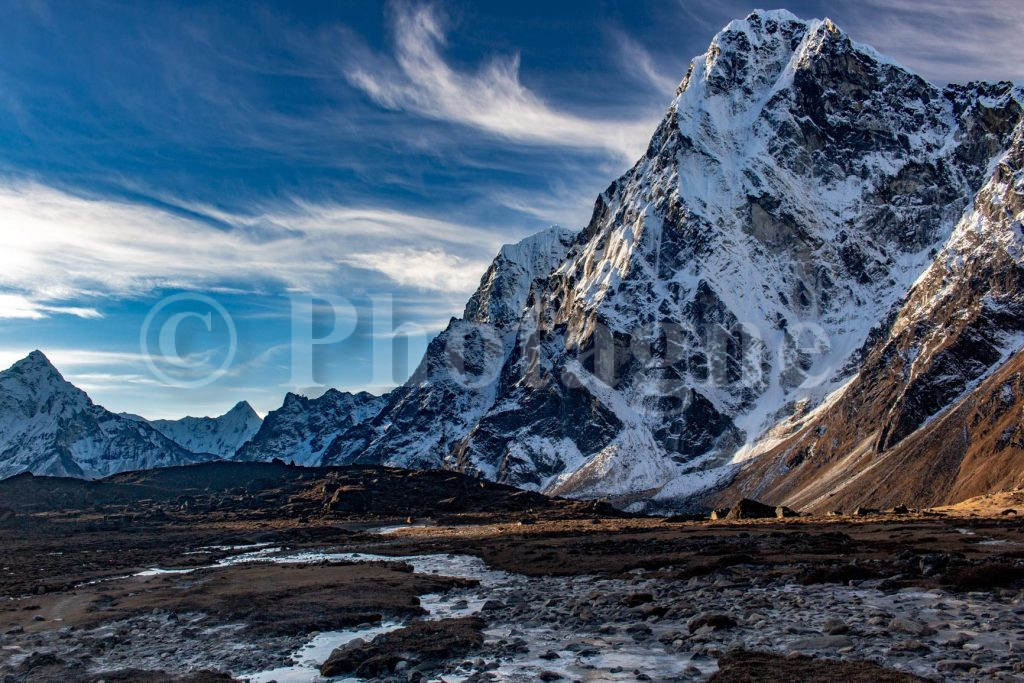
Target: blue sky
[259,152]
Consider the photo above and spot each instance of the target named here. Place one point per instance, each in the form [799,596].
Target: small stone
[711,620]
[828,643]
[835,627]
[913,628]
[637,599]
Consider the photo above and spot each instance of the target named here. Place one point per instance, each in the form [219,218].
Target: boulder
[429,643]
[911,627]
[834,626]
[827,643]
[783,512]
[751,509]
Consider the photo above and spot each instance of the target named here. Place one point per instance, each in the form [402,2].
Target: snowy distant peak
[36,365]
[220,436]
[36,360]
[343,400]
[242,408]
[505,286]
[242,412]
[34,379]
[49,426]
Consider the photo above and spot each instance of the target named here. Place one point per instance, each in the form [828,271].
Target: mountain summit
[221,436]
[49,426]
[740,273]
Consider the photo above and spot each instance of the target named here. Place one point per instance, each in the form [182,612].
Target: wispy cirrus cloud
[431,268]
[58,248]
[492,98]
[638,60]
[21,306]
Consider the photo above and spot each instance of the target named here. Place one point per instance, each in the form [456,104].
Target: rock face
[49,426]
[756,258]
[461,375]
[751,509]
[933,414]
[222,436]
[302,428]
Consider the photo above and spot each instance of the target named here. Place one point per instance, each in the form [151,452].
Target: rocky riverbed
[238,589]
[643,626]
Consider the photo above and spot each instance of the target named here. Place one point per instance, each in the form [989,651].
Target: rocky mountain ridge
[302,429]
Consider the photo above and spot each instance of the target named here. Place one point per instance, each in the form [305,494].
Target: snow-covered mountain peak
[221,436]
[36,365]
[242,410]
[505,286]
[725,288]
[34,380]
[50,426]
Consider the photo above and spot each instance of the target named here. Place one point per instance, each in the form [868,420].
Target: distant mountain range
[809,290]
[49,426]
[221,436]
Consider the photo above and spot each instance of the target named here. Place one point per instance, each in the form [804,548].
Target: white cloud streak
[431,268]
[492,99]
[56,247]
[20,306]
[640,63]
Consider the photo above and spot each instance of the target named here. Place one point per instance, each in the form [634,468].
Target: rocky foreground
[268,572]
